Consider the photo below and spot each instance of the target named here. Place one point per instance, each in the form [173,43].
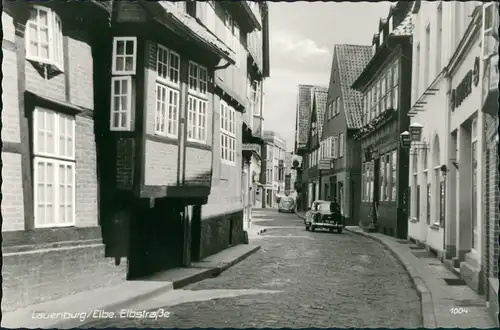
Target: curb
[426,303]
[177,284]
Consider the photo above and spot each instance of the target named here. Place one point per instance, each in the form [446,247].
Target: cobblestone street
[299,279]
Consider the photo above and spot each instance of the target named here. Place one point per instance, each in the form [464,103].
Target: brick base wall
[31,277]
[220,232]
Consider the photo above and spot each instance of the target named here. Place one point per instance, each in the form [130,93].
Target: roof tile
[351,61]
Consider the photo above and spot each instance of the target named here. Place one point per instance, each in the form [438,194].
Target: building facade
[385,83]
[128,111]
[50,187]
[342,180]
[313,146]
[274,164]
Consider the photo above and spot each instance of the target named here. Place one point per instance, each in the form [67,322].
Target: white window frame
[381,38]
[163,115]
[128,110]
[335,147]
[167,79]
[56,159]
[116,40]
[228,132]
[488,31]
[341,145]
[197,120]
[55,38]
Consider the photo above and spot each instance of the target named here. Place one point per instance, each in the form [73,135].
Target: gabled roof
[319,105]
[304,108]
[405,28]
[351,61]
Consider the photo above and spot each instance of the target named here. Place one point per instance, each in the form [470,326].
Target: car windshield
[322,206]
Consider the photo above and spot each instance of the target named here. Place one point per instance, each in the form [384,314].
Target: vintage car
[322,215]
[286,204]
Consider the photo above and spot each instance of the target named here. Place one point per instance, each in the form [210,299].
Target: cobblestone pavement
[322,279]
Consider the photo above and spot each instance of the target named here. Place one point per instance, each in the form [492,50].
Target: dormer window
[391,24]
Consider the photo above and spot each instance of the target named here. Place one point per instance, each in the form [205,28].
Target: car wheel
[307,228]
[312,228]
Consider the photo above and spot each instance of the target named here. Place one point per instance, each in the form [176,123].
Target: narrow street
[297,279]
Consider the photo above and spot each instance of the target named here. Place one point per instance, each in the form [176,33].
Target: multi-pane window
[382,95]
[124,55]
[121,103]
[490,23]
[395,85]
[197,103]
[335,149]
[167,66]
[341,145]
[233,36]
[427,56]
[54,168]
[167,92]
[228,133]
[394,163]
[44,38]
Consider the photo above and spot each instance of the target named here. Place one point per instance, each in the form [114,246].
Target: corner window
[44,38]
[54,168]
[124,55]
[228,133]
[121,103]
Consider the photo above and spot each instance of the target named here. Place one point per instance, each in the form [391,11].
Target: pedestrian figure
[335,209]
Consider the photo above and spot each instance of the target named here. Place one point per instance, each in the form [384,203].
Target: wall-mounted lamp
[411,138]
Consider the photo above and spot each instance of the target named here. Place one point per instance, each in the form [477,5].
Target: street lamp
[416,132]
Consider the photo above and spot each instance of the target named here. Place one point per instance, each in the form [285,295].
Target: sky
[302,37]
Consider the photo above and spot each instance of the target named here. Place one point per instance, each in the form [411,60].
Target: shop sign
[464,88]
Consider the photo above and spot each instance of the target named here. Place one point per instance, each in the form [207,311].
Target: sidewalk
[443,305]
[122,295]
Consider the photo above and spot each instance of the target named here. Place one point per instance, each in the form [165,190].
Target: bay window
[44,38]
[167,92]
[54,168]
[197,103]
[228,133]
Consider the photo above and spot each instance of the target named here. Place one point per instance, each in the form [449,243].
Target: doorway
[196,233]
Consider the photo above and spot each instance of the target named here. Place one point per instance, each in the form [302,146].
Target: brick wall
[12,193]
[55,273]
[10,110]
[80,70]
[198,166]
[158,168]
[86,173]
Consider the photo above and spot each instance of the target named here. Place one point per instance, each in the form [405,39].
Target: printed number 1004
[459,310]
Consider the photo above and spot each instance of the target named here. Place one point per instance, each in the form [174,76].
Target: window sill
[198,145]
[414,220]
[435,226]
[228,163]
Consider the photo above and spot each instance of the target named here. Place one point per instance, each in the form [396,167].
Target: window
[427,56]
[44,38]
[395,90]
[167,92]
[124,55]
[337,105]
[335,147]
[490,22]
[418,202]
[167,111]
[391,24]
[371,179]
[369,106]
[439,36]
[330,111]
[417,73]
[197,103]
[475,176]
[341,145]
[179,4]
[394,180]
[54,168]
[329,147]
[228,133]
[383,178]
[363,182]
[167,66]
[428,205]
[384,88]
[121,103]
